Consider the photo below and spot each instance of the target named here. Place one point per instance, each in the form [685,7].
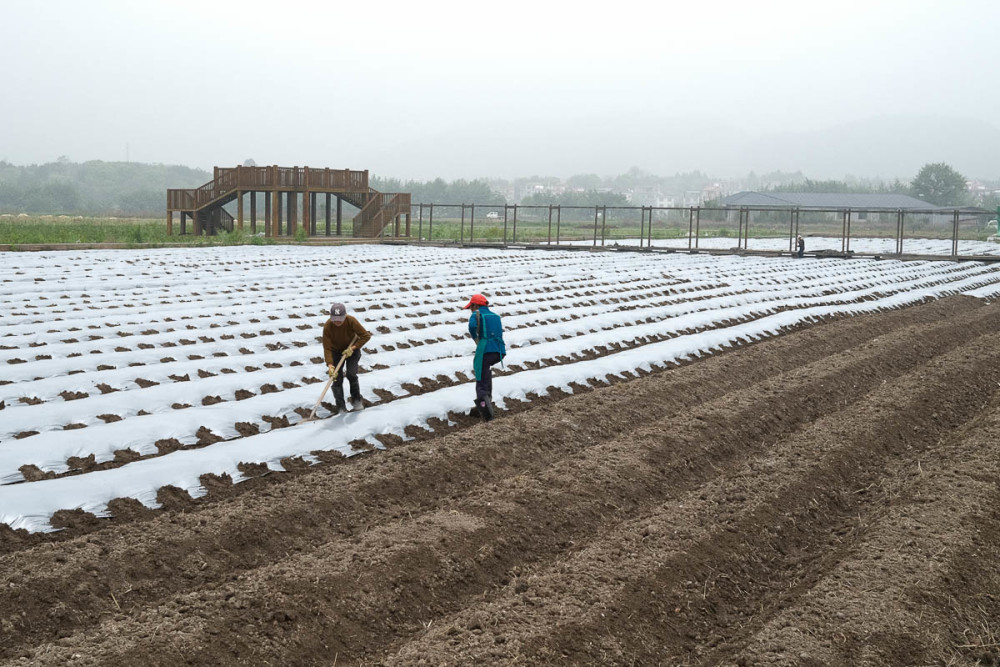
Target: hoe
[326,387]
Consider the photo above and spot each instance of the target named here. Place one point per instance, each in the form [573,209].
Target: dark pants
[484,385]
[350,369]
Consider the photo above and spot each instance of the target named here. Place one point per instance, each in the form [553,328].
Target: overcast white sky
[467,89]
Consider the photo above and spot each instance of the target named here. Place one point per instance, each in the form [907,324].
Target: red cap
[476,300]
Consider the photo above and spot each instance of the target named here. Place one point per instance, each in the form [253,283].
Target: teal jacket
[486,325]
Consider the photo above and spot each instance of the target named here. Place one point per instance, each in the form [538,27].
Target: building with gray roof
[828,200]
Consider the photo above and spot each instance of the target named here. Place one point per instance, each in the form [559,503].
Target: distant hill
[886,146]
[93,188]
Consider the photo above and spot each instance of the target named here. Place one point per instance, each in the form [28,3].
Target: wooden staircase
[204,205]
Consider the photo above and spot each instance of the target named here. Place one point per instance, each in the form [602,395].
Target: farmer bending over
[338,332]
[486,329]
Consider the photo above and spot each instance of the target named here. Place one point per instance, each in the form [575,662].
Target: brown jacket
[337,338]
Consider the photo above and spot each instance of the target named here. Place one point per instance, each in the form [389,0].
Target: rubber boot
[485,409]
[338,397]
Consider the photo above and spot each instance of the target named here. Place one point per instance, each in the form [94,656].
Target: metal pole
[472,225]
[420,223]
[954,236]
[697,226]
[514,239]
[847,248]
[791,229]
[642,226]
[746,232]
[649,230]
[550,225]
[430,225]
[899,231]
[461,228]
[690,225]
[739,228]
[505,223]
[596,213]
[604,225]
[843,231]
[558,221]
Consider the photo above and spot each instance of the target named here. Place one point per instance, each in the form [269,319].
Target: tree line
[937,183]
[127,189]
[439,191]
[131,189]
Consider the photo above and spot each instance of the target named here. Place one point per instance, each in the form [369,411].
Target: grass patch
[129,231]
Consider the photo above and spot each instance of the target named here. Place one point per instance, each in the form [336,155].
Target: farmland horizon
[893,147]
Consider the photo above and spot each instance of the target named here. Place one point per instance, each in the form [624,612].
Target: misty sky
[472,89]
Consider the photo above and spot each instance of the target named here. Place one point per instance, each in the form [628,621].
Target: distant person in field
[338,332]
[800,247]
[486,329]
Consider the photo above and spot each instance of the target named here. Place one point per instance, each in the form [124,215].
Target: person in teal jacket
[486,329]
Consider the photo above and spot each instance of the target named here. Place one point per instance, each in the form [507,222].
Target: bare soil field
[823,497]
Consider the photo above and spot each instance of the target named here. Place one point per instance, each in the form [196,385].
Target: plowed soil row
[827,496]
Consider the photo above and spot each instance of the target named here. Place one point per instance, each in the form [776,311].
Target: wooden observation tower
[379,214]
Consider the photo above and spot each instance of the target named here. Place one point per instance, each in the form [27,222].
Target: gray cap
[338,313]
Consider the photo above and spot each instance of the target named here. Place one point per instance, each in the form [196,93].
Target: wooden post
[267,214]
[306,208]
[328,199]
[276,214]
[170,223]
[239,209]
[253,212]
[340,212]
